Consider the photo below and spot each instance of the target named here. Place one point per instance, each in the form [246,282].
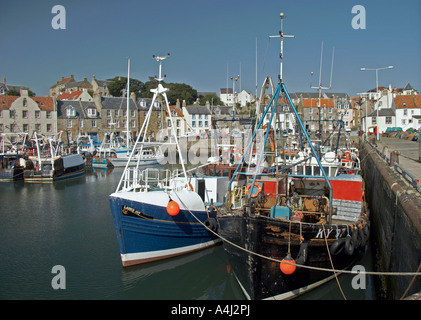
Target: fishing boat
[146,154]
[286,232]
[12,162]
[49,164]
[158,213]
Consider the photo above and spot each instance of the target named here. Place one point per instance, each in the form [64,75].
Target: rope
[376,273]
[331,263]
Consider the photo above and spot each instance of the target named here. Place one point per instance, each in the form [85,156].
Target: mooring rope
[374,273]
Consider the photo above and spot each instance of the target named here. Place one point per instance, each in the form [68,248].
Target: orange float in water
[173,208]
[289,267]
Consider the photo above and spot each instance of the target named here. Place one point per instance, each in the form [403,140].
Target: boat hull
[261,278]
[119,162]
[72,166]
[146,232]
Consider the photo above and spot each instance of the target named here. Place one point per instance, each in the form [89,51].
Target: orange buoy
[289,267]
[173,208]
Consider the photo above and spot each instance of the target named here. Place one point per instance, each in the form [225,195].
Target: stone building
[27,114]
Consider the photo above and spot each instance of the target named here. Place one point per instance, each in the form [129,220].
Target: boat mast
[128,102]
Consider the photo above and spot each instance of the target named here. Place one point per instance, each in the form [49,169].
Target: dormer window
[71,111]
[92,112]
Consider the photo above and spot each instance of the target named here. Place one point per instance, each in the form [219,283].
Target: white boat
[160,214]
[120,156]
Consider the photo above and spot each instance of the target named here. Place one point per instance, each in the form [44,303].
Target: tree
[212,98]
[118,85]
[176,91]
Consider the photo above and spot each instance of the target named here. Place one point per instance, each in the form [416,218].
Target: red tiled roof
[70,95]
[407,99]
[179,113]
[6,101]
[44,103]
[312,103]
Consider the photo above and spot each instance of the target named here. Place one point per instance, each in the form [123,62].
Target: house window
[71,112]
[200,123]
[193,123]
[49,127]
[1,113]
[69,124]
[311,111]
[178,123]
[388,120]
[37,127]
[93,123]
[193,116]
[108,123]
[37,115]
[206,123]
[80,123]
[374,120]
[49,114]
[403,121]
[92,112]
[25,114]
[1,127]
[25,128]
[133,124]
[405,112]
[206,116]
[108,113]
[169,123]
[116,113]
[11,114]
[132,114]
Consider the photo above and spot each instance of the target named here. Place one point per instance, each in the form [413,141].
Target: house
[227,97]
[198,118]
[100,86]
[75,117]
[178,121]
[315,109]
[408,111]
[381,119]
[27,114]
[5,88]
[243,98]
[59,87]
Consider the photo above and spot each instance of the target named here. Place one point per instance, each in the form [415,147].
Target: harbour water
[69,224]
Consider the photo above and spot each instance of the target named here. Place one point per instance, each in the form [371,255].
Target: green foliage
[212,98]
[176,91]
[118,84]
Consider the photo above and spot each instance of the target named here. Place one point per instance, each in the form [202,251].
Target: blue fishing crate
[280,212]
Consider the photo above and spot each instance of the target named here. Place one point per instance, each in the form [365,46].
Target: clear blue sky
[204,37]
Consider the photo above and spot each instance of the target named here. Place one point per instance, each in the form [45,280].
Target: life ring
[349,246]
[259,189]
[190,185]
[337,247]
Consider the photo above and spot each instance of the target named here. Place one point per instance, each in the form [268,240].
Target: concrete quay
[407,154]
[395,214]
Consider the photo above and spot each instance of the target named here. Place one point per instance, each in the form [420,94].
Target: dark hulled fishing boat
[286,233]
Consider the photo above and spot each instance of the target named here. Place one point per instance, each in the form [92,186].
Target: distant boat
[142,156]
[12,164]
[49,164]
[160,214]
